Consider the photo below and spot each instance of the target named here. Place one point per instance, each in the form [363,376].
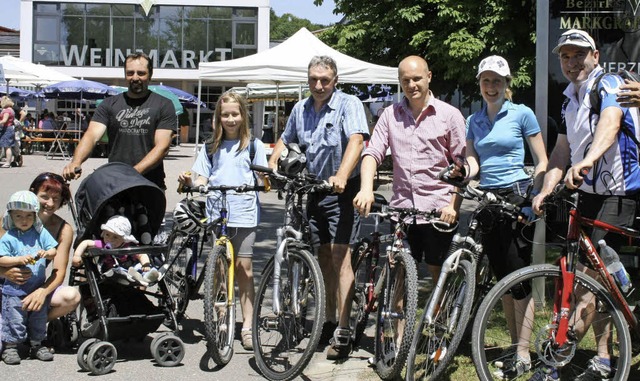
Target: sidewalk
[135,357]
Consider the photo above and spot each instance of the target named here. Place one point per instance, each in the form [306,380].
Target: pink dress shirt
[420,149]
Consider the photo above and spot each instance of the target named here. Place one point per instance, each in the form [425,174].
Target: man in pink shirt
[425,135]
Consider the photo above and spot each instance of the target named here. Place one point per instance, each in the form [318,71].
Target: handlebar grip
[584,171]
[455,181]
[260,168]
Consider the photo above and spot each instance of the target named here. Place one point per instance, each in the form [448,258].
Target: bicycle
[390,289]
[218,276]
[465,278]
[561,339]
[290,303]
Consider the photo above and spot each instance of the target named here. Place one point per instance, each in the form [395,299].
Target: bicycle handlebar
[485,198]
[432,217]
[315,184]
[204,189]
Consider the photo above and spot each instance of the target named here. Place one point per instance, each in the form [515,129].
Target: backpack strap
[252,149]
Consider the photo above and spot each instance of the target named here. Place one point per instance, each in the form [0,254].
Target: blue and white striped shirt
[324,135]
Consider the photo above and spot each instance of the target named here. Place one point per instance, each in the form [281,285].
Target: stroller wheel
[167,349]
[83,353]
[102,357]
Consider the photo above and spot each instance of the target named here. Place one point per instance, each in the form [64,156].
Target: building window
[180,37]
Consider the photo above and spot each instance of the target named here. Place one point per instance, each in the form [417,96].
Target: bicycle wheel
[484,283]
[284,342]
[491,342]
[176,275]
[219,309]
[435,342]
[361,265]
[397,303]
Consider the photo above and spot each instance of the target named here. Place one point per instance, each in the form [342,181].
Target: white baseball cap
[575,37]
[495,64]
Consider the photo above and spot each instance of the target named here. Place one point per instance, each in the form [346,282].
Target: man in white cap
[603,161]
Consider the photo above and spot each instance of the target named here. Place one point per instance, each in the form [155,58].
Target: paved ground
[135,359]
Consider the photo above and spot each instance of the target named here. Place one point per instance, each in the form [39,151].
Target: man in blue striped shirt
[330,127]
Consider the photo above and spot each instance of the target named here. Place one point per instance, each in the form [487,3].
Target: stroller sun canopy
[117,188]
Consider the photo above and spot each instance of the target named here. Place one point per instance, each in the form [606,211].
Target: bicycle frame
[577,240]
[294,230]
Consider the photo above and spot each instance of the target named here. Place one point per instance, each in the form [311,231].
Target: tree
[453,35]
[287,25]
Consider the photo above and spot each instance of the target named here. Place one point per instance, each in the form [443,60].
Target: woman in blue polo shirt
[495,150]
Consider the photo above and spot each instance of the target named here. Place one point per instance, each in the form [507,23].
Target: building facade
[90,39]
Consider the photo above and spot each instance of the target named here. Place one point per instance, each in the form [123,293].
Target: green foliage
[283,27]
[453,35]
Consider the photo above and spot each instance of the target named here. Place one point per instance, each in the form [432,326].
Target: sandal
[247,339]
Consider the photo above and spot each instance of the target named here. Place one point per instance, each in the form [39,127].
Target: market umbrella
[78,89]
[187,100]
[15,92]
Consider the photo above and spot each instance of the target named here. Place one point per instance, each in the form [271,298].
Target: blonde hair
[218,131]
[508,93]
[6,102]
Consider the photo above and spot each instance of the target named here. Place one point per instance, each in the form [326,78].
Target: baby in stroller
[119,212]
[116,234]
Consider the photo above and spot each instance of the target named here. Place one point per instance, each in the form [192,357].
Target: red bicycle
[578,314]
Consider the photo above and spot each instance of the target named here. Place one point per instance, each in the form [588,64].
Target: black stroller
[116,307]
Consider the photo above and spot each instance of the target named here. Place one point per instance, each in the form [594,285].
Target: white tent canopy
[288,63]
[19,72]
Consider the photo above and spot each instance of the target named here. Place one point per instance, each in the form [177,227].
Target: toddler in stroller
[116,234]
[116,307]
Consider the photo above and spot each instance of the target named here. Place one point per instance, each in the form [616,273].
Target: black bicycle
[289,308]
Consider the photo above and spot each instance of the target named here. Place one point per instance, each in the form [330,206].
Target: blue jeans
[18,324]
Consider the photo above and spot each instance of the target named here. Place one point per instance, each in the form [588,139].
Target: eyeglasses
[323,81]
[575,37]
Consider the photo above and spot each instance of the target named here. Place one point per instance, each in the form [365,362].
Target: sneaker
[137,277]
[10,356]
[596,370]
[328,329]
[545,373]
[41,353]
[246,337]
[151,276]
[340,344]
[513,368]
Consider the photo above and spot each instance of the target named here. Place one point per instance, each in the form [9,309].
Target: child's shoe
[151,276]
[137,277]
[10,356]
[41,353]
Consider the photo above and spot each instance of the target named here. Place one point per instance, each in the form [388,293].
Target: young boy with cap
[25,243]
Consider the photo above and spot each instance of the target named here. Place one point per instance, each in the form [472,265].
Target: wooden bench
[29,143]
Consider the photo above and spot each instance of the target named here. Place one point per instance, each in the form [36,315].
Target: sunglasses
[575,37]
[49,176]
